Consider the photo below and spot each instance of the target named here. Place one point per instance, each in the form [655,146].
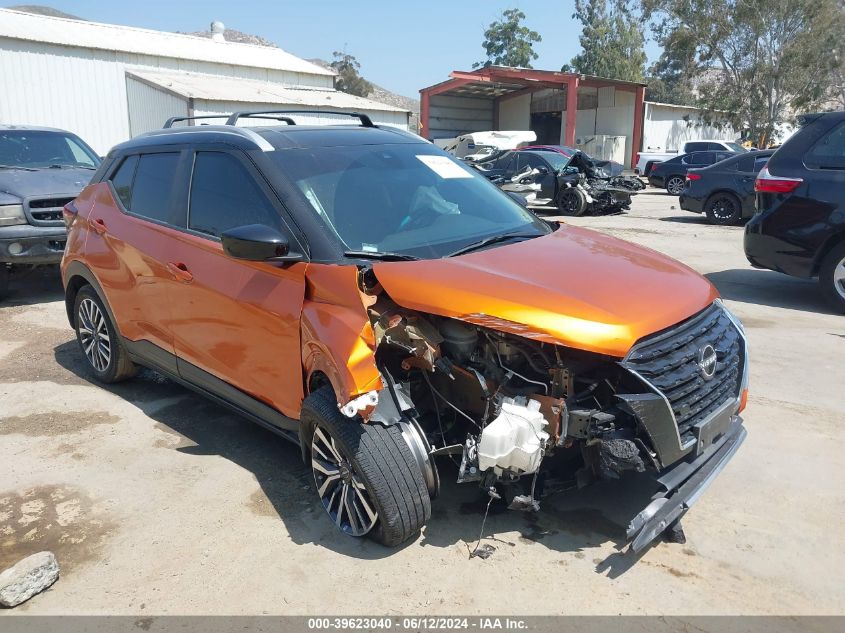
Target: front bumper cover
[37,244]
[682,485]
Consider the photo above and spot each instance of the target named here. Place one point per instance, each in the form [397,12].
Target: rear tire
[675,185]
[572,202]
[99,341]
[368,465]
[723,209]
[832,277]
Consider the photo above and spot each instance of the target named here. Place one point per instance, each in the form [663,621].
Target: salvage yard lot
[156,501]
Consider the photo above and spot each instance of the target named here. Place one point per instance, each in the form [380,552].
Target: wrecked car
[41,169]
[570,182]
[479,146]
[381,304]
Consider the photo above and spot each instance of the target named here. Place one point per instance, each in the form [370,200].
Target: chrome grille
[47,211]
[670,362]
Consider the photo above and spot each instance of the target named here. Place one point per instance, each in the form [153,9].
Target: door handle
[180,271]
[99,226]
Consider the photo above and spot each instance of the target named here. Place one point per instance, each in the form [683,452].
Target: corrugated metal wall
[84,90]
[203,107]
[664,127]
[150,107]
[451,116]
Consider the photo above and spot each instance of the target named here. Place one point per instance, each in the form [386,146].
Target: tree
[669,79]
[611,41]
[760,62]
[348,79]
[508,43]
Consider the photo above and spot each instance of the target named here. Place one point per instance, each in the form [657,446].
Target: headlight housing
[11,214]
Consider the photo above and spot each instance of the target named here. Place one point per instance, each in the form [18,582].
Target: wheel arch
[77,275]
[722,190]
[832,242]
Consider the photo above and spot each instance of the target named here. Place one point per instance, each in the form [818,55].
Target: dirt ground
[158,502]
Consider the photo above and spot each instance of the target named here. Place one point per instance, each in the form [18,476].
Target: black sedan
[799,224]
[570,182]
[724,191]
[672,173]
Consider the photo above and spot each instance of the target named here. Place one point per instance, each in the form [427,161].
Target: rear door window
[152,186]
[829,152]
[224,195]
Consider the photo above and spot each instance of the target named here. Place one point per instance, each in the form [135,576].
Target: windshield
[43,148]
[556,160]
[411,199]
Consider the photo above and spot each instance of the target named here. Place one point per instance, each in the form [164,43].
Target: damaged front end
[510,409]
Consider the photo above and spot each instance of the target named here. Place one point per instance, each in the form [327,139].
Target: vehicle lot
[156,501]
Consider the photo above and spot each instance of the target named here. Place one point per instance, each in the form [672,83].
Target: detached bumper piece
[682,486]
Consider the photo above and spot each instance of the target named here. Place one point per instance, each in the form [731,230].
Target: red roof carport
[498,84]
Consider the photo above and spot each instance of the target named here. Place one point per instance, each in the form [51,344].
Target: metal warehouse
[603,117]
[606,118]
[107,83]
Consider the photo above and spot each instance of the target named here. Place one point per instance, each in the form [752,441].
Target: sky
[402,46]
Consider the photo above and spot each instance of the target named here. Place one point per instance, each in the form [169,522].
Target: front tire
[675,185]
[365,475]
[98,339]
[572,202]
[832,277]
[723,209]
[4,279]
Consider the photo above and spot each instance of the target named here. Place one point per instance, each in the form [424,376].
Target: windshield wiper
[18,167]
[57,166]
[492,240]
[387,257]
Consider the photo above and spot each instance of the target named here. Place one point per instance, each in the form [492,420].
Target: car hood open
[575,287]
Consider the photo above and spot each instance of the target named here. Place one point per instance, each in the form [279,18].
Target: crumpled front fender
[337,338]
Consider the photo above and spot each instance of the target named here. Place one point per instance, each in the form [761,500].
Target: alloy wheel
[94,334]
[839,278]
[675,185]
[342,491]
[723,208]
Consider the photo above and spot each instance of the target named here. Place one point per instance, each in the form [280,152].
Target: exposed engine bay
[505,406]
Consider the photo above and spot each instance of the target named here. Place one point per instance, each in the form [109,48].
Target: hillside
[38,9]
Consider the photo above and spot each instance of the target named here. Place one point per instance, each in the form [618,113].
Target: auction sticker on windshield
[443,166]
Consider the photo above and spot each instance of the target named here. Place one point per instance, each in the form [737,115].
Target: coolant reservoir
[514,440]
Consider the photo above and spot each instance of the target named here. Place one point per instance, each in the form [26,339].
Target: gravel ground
[158,502]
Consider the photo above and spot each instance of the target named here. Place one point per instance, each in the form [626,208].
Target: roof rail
[177,119]
[244,114]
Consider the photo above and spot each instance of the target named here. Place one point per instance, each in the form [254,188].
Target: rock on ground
[28,577]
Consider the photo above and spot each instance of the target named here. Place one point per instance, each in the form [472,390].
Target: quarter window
[829,152]
[122,181]
[224,195]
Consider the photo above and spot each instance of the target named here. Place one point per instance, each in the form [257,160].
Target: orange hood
[575,287]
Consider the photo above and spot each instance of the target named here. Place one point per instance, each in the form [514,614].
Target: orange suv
[362,293]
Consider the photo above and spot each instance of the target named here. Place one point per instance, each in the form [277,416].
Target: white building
[108,83]
[667,126]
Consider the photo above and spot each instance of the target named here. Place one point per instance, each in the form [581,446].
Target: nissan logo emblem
[707,362]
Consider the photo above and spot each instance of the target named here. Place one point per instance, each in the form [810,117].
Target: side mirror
[258,243]
[542,169]
[518,198]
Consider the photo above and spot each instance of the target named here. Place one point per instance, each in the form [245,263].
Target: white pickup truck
[646,159]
